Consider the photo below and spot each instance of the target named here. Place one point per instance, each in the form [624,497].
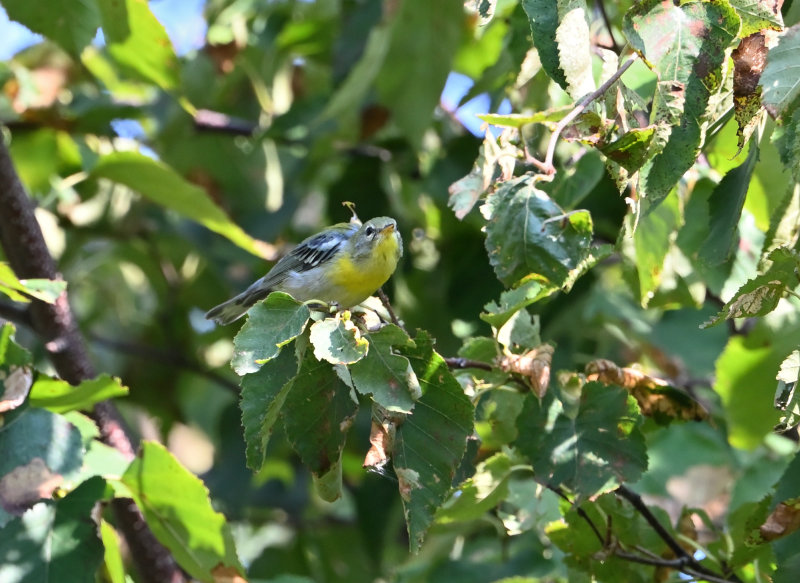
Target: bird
[343,264]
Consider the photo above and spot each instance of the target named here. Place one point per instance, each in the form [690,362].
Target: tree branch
[693,567]
[27,253]
[579,107]
[16,314]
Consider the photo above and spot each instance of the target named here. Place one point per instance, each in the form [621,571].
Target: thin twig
[386,304]
[579,107]
[692,565]
[214,121]
[601,6]
[457,362]
[581,512]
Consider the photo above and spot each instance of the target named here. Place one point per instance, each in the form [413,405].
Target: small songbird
[343,264]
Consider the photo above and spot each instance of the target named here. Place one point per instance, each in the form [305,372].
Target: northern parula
[343,264]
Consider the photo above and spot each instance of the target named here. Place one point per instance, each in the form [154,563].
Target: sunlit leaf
[338,341]
[177,508]
[482,492]
[138,42]
[59,396]
[725,206]
[544,19]
[687,43]
[591,453]
[528,233]
[745,382]
[161,184]
[270,325]
[65,530]
[781,80]
[760,295]
[72,26]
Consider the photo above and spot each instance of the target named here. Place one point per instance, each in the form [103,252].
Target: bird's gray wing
[310,253]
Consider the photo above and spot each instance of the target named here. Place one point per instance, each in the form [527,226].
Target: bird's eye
[369,231]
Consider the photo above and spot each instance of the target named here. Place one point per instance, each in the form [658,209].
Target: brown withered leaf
[533,364]
[784,520]
[655,396]
[25,485]
[381,438]
[749,60]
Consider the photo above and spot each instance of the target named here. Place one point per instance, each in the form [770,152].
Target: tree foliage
[587,368]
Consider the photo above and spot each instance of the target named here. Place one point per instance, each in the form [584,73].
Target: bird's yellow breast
[361,278]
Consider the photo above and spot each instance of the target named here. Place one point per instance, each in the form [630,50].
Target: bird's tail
[235,308]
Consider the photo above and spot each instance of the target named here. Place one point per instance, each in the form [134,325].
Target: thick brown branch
[27,253]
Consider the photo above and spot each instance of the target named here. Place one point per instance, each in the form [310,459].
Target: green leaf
[790,368]
[761,294]
[788,144]
[528,233]
[745,382]
[161,184]
[430,443]
[725,207]
[350,94]
[518,120]
[652,241]
[630,150]
[338,341]
[572,185]
[43,289]
[112,557]
[780,80]
[574,48]
[137,41]
[72,26]
[317,413]
[40,451]
[784,224]
[271,324]
[177,509]
[263,395]
[54,542]
[543,16]
[757,15]
[425,37]
[530,290]
[16,372]
[482,492]
[385,374]
[497,418]
[59,396]
[687,44]
[591,453]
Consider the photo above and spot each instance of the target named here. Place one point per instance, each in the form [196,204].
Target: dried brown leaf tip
[381,438]
[784,520]
[655,396]
[533,364]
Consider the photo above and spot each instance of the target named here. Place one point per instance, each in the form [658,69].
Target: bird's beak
[388,228]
